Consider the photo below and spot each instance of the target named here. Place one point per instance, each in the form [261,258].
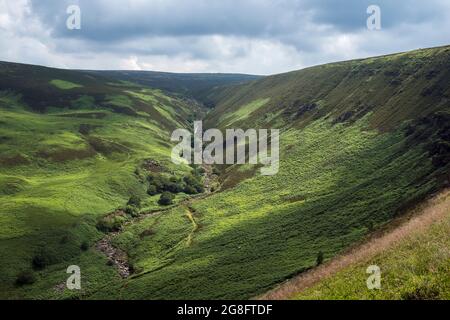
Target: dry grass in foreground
[417,221]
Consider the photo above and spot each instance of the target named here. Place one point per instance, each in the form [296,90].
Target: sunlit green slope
[361,142]
[393,88]
[72,150]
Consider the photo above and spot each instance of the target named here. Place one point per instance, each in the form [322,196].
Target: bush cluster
[25,278]
[134,201]
[433,130]
[84,246]
[111,223]
[42,259]
[159,184]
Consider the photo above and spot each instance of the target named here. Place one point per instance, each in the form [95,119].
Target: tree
[320,257]
[194,183]
[84,246]
[166,199]
[134,201]
[132,211]
[174,187]
[190,190]
[199,188]
[191,180]
[152,190]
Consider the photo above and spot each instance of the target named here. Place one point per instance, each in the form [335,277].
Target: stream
[119,258]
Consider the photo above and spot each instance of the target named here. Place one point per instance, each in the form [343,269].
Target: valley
[119,258]
[86,160]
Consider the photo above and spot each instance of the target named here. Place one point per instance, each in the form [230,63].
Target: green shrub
[191,180]
[64,239]
[151,177]
[159,185]
[174,187]
[132,211]
[166,199]
[134,201]
[422,292]
[25,278]
[195,183]
[152,190]
[84,246]
[319,259]
[160,182]
[110,224]
[198,171]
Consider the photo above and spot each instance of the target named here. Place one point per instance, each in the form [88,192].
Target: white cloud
[246,36]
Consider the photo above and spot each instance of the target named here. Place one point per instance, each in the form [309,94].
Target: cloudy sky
[245,36]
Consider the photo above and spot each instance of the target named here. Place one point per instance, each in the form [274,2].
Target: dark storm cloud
[349,14]
[114,20]
[117,20]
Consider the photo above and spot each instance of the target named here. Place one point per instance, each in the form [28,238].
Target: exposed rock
[118,257]
[151,165]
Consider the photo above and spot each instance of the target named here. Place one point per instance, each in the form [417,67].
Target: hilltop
[420,238]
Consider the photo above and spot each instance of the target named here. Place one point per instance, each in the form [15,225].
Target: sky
[229,36]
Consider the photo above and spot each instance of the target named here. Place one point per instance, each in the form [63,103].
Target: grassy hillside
[344,174]
[73,148]
[362,141]
[392,88]
[414,260]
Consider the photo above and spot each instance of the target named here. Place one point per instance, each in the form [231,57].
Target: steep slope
[387,91]
[362,141]
[45,90]
[412,254]
[393,88]
[194,85]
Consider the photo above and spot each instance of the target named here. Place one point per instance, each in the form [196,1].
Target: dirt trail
[210,181]
[115,255]
[190,216]
[416,221]
[119,258]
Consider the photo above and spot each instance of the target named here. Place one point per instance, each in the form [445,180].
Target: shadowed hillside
[420,238]
[193,85]
[75,147]
[361,143]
